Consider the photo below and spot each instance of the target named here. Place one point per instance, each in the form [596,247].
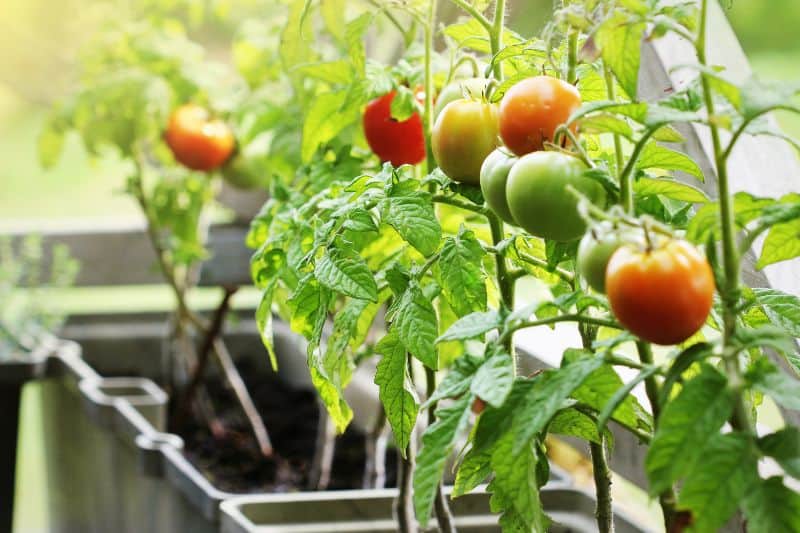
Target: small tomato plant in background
[423,244]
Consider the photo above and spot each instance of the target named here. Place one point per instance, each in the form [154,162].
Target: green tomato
[463,135]
[247,168]
[472,87]
[597,247]
[494,175]
[538,197]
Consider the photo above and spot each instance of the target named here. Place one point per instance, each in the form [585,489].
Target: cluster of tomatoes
[660,288]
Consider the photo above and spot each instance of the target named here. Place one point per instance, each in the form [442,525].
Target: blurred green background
[39,43]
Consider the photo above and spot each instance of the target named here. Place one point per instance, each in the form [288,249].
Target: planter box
[111,467]
[371,511]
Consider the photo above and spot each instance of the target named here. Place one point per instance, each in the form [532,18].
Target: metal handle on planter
[128,406]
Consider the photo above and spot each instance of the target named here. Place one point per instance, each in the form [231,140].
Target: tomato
[538,198]
[664,294]
[398,142]
[596,248]
[463,135]
[472,87]
[197,141]
[249,167]
[532,110]
[494,175]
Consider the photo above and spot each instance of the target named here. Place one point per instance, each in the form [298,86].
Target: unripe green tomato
[538,197]
[456,90]
[597,247]
[494,175]
[463,135]
[247,169]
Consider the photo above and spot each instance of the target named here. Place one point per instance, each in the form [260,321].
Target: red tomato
[662,295]
[532,110]
[197,141]
[400,143]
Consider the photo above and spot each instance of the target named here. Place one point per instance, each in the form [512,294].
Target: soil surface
[232,461]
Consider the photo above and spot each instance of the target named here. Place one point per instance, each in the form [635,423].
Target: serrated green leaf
[413,217]
[656,156]
[622,395]
[547,397]
[686,424]
[343,270]
[460,274]
[332,398]
[416,325]
[620,42]
[575,424]
[395,390]
[670,189]
[668,134]
[309,306]
[770,507]
[325,119]
[493,380]
[458,379]
[403,104]
[438,442]
[784,447]
[771,381]
[724,474]
[696,352]
[781,244]
[514,488]
[606,123]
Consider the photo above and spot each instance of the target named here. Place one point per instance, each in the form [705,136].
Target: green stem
[581,319]
[572,58]
[442,199]
[611,93]
[730,252]
[541,263]
[496,35]
[504,281]
[474,13]
[430,164]
[602,482]
[626,178]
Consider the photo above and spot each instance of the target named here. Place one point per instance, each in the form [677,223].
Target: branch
[474,13]
[441,199]
[602,482]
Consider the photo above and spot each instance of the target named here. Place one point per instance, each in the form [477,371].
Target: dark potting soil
[232,462]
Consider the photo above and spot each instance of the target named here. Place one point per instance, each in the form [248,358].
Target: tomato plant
[465,133]
[470,88]
[494,176]
[596,248]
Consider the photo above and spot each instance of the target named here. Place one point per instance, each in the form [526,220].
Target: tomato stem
[496,36]
[611,93]
[731,260]
[572,58]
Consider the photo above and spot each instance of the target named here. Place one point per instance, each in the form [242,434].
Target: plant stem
[374,469]
[496,35]
[440,508]
[320,474]
[428,114]
[474,13]
[730,293]
[572,76]
[541,263]
[442,199]
[626,177]
[602,482]
[404,505]
[611,92]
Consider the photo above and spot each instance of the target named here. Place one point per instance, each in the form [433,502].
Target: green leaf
[576,424]
[264,323]
[360,220]
[514,489]
[343,270]
[309,306]
[294,48]
[472,471]
[349,326]
[769,380]
[332,398]
[472,326]
[416,325]
[656,156]
[670,189]
[784,447]
[782,309]
[438,442]
[493,380]
[689,356]
[413,217]
[764,337]
[606,123]
[326,118]
[620,42]
[458,379]
[460,274]
[546,398]
[395,390]
[782,243]
[723,475]
[621,395]
[668,134]
[686,424]
[770,507]
[403,104]
[51,144]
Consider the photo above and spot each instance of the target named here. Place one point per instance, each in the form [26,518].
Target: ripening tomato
[538,198]
[663,294]
[197,141]
[532,110]
[464,134]
[470,88]
[597,247]
[494,176]
[398,142]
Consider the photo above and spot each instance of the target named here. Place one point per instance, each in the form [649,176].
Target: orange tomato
[663,295]
[532,110]
[197,141]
